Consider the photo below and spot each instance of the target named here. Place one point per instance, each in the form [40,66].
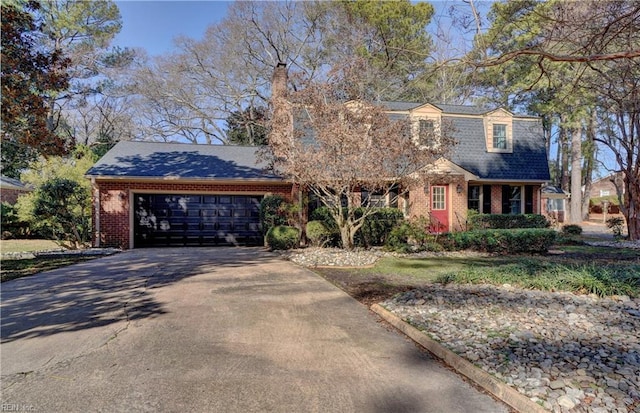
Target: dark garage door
[194,220]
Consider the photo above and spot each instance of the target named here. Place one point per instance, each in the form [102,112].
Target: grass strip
[12,269]
[602,280]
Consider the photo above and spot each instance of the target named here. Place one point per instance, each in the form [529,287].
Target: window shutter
[528,199]
[486,199]
[506,205]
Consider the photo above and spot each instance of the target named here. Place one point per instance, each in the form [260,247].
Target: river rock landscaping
[564,351]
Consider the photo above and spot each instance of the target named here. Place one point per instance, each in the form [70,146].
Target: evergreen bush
[283,237]
[506,221]
[501,241]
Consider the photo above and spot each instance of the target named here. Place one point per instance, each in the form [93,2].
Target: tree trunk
[575,216]
[589,148]
[631,208]
[564,157]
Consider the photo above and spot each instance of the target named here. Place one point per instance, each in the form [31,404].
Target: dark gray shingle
[527,162]
[154,159]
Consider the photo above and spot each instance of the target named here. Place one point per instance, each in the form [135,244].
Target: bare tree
[191,93]
[329,140]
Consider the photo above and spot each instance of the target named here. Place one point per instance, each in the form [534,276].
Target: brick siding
[10,196]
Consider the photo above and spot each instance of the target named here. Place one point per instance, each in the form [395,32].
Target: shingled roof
[130,159]
[527,161]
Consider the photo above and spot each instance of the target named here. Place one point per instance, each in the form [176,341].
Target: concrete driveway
[209,330]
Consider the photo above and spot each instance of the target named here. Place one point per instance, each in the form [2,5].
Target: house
[11,189]
[554,201]
[162,194]
[607,186]
[604,191]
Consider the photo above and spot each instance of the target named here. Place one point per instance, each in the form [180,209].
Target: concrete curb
[508,395]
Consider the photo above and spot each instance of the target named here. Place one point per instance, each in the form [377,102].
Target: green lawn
[11,269]
[27,245]
[581,269]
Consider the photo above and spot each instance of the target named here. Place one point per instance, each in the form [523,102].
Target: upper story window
[499,131]
[426,132]
[499,136]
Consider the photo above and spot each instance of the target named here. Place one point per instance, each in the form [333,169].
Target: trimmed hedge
[572,229]
[374,231]
[283,237]
[317,233]
[501,241]
[506,221]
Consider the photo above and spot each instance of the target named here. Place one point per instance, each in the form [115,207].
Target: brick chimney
[282,119]
[279,81]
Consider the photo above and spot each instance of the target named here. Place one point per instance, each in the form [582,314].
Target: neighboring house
[606,187]
[11,189]
[554,203]
[606,190]
[157,194]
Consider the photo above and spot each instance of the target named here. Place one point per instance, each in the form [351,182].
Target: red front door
[439,209]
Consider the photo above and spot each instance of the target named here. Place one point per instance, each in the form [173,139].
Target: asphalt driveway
[209,330]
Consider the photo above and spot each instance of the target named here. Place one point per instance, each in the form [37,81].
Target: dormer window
[426,132]
[499,136]
[499,131]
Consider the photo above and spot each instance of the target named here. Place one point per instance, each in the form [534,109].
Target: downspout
[96,217]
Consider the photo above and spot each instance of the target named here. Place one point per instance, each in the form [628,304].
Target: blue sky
[153,24]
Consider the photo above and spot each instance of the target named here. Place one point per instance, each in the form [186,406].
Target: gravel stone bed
[336,257]
[564,351]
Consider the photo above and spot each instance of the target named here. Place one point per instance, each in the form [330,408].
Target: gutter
[508,181]
[171,179]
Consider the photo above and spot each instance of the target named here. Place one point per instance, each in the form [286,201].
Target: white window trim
[499,117]
[437,130]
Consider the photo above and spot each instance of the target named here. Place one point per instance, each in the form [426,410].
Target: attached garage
[196,220]
[150,194]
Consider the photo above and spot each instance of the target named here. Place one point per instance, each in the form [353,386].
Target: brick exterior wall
[496,199]
[10,196]
[115,209]
[420,203]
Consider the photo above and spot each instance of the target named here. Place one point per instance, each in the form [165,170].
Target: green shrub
[63,207]
[501,241]
[283,237]
[377,227]
[572,229]
[317,233]
[615,224]
[398,239]
[506,221]
[412,236]
[323,215]
[12,226]
[374,231]
[273,212]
